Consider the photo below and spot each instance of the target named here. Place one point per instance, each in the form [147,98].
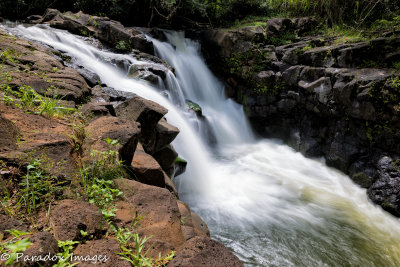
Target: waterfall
[263,200]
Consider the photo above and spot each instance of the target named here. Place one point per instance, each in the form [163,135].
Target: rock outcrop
[323,95]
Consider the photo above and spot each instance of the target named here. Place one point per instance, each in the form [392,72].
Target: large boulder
[204,251]
[112,128]
[69,217]
[147,113]
[159,209]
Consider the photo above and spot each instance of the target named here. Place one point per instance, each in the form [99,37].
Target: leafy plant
[103,195]
[64,256]
[37,188]
[12,246]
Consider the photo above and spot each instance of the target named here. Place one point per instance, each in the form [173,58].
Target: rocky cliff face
[322,95]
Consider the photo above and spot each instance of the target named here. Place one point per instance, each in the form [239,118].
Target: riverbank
[86,170]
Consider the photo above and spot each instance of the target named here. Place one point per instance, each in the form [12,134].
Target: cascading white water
[269,204]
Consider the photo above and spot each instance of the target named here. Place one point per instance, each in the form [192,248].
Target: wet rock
[200,227]
[90,77]
[203,251]
[125,131]
[102,28]
[161,217]
[69,217]
[105,248]
[385,191]
[194,107]
[180,166]
[33,19]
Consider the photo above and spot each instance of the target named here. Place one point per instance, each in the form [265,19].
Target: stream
[266,202]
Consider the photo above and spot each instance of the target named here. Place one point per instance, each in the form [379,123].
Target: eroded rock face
[69,217]
[203,251]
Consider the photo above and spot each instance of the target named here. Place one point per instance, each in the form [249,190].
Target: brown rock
[147,113]
[94,110]
[200,227]
[147,170]
[126,132]
[8,135]
[43,244]
[69,217]
[203,251]
[8,223]
[157,206]
[107,248]
[165,134]
[42,137]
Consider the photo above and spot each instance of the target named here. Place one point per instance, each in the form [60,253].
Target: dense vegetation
[214,12]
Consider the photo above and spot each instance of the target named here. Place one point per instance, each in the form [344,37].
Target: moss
[180,160]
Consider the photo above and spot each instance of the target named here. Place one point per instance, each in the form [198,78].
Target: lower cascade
[267,203]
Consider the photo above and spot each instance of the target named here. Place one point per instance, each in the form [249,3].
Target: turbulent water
[263,200]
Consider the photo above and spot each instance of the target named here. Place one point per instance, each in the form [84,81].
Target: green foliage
[26,98]
[132,246]
[14,246]
[101,193]
[123,46]
[37,188]
[66,251]
[97,178]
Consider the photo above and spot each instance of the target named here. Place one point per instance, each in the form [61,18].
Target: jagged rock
[69,217]
[147,170]
[385,191]
[203,251]
[125,131]
[43,244]
[166,158]
[161,217]
[165,134]
[105,249]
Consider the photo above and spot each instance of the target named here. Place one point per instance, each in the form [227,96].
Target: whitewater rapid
[262,199]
